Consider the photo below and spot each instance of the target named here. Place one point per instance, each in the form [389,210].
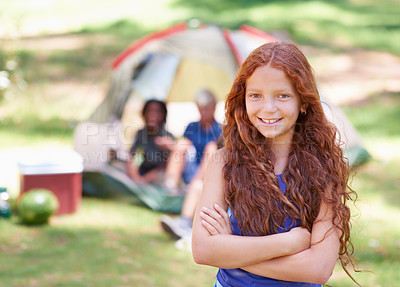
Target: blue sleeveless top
[241,278]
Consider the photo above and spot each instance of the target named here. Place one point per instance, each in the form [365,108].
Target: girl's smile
[269,121]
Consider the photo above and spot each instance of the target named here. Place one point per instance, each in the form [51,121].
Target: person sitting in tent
[152,146]
[189,161]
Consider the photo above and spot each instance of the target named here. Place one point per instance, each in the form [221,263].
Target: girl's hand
[216,220]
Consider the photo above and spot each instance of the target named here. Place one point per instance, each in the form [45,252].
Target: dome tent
[171,65]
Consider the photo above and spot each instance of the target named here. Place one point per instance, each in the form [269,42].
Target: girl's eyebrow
[279,90]
[251,89]
[285,91]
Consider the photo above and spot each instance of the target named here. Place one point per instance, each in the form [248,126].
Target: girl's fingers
[223,213]
[218,218]
[210,220]
[209,228]
[214,214]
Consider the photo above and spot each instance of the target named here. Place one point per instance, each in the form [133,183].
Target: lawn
[64,54]
[105,244]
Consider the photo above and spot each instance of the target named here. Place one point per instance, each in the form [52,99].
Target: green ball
[37,205]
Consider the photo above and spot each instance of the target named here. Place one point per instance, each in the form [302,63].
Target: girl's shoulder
[220,157]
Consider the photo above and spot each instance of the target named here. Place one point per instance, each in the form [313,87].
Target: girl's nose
[269,104]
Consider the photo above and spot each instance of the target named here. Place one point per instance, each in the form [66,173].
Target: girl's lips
[269,122]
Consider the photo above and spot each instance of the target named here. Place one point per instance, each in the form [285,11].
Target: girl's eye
[283,96]
[254,96]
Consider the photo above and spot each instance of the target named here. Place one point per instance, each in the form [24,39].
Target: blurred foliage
[11,78]
[10,74]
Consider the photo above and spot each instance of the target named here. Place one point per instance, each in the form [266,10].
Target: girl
[273,209]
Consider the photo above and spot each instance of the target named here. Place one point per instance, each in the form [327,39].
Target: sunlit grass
[104,244]
[376,232]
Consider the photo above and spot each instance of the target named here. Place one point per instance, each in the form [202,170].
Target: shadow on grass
[62,63]
[78,64]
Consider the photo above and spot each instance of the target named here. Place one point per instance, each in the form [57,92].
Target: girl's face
[154,115]
[272,104]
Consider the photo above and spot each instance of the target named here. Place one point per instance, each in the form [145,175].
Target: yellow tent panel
[193,75]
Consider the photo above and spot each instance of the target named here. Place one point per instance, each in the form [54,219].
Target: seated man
[189,159]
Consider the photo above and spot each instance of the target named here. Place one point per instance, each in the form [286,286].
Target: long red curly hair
[316,171]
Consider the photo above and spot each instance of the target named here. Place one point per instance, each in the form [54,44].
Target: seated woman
[151,149]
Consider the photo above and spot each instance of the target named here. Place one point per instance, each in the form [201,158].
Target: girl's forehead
[266,76]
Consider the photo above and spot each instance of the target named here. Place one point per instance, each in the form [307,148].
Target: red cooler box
[57,170]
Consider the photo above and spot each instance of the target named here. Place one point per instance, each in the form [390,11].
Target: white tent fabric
[156,79]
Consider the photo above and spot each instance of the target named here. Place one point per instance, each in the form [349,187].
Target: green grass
[379,107]
[378,120]
[104,244]
[119,244]
[376,232]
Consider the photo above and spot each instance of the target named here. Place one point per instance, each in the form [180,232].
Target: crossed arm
[284,256]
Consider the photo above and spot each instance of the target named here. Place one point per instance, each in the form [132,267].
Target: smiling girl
[273,210]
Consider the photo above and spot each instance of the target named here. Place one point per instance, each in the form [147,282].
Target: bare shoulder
[219,158]
[213,188]
[216,164]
